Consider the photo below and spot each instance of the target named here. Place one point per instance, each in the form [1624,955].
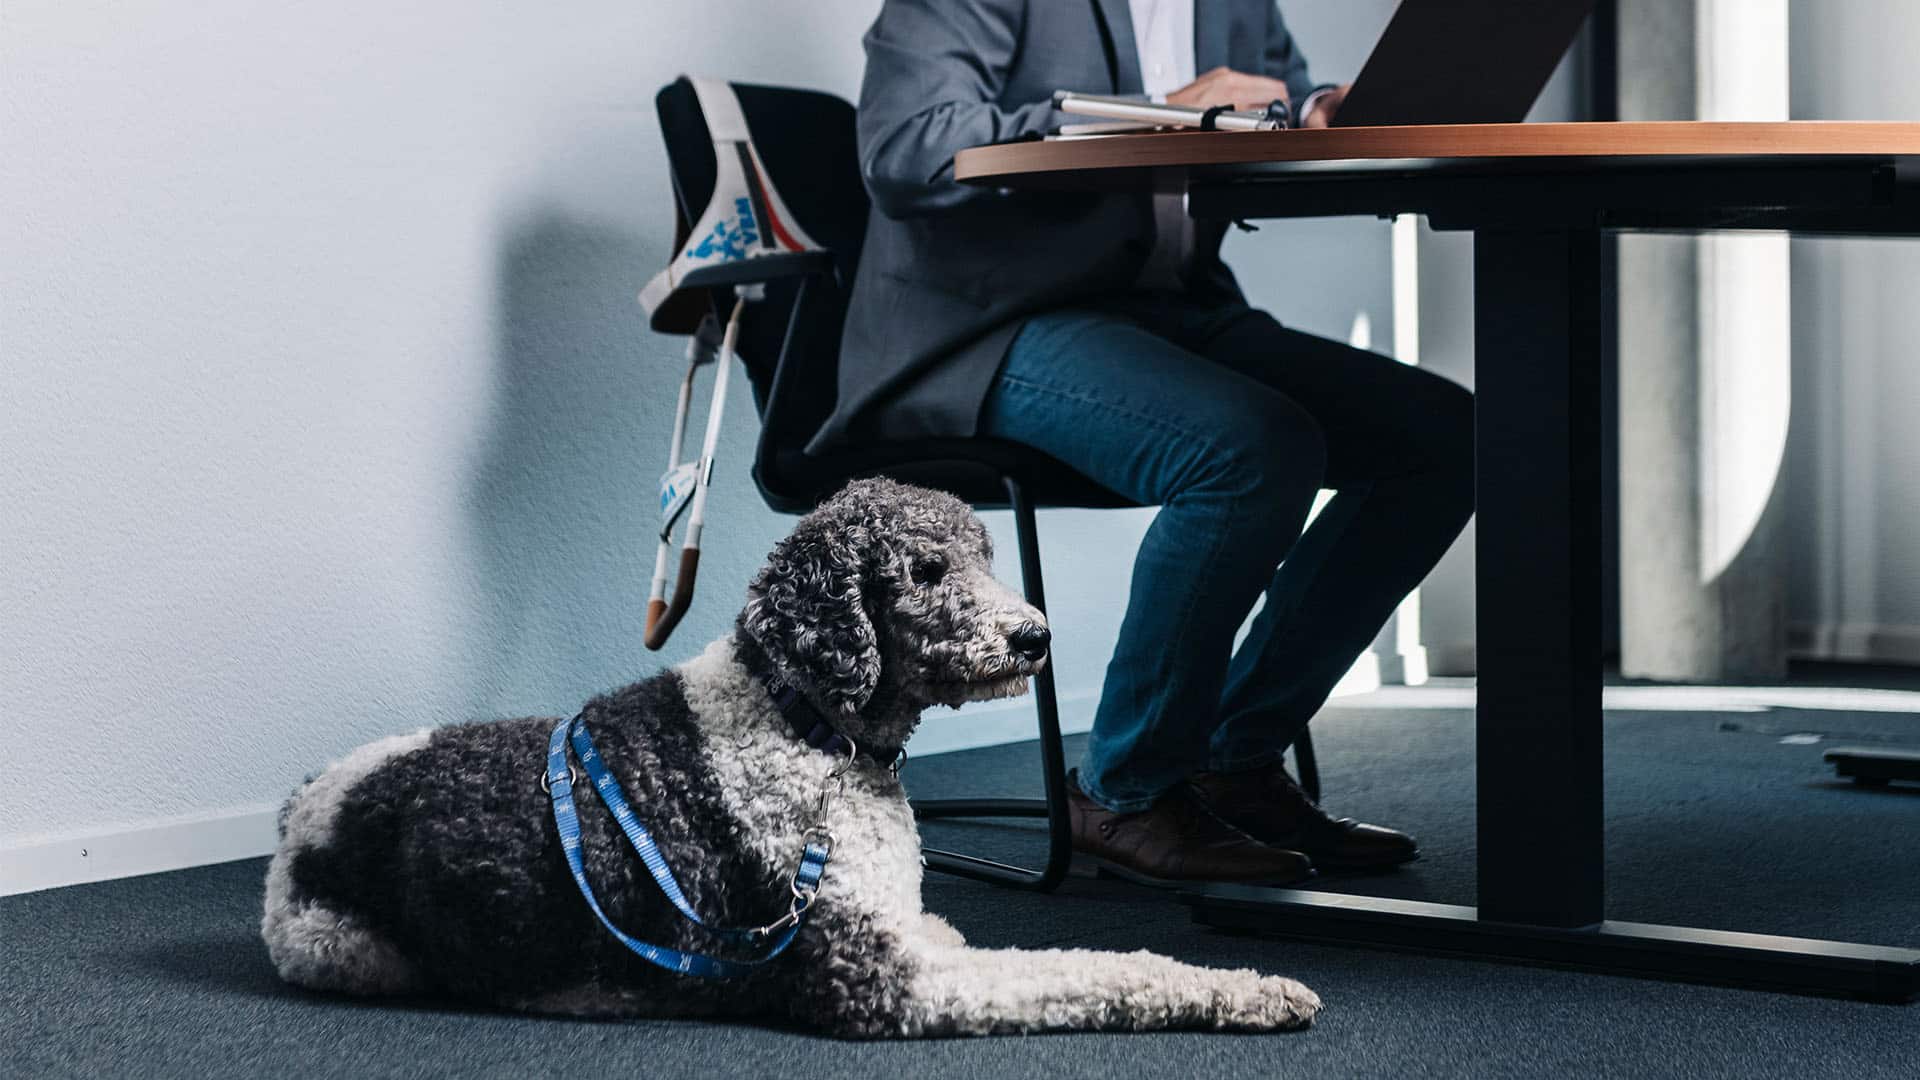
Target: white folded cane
[743,220]
[1218,118]
[684,486]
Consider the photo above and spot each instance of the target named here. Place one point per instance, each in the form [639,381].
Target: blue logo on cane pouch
[729,240]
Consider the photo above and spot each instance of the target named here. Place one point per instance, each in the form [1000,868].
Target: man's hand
[1234,89]
[1325,106]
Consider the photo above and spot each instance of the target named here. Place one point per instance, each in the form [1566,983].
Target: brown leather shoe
[1267,805]
[1175,842]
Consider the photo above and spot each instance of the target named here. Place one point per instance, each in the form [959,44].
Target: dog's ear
[807,608]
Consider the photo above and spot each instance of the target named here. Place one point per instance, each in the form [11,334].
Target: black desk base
[1801,965]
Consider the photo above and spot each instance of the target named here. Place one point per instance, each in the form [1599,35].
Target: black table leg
[1537,378]
[1541,868]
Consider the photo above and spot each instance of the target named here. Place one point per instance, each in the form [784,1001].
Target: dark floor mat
[1712,821]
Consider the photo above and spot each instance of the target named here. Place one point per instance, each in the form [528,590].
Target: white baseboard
[173,844]
[1877,643]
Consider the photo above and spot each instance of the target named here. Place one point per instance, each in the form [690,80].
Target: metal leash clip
[820,833]
[837,783]
[803,897]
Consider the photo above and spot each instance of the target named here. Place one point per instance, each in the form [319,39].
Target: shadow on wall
[563,496]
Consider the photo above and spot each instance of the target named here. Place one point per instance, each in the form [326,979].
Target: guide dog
[429,864]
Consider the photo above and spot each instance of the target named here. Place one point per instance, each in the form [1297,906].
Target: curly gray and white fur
[429,863]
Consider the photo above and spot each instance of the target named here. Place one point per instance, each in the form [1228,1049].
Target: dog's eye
[929,569]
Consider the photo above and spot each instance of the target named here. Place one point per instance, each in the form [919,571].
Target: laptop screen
[1462,62]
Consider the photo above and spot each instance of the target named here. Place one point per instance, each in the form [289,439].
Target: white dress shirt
[1163,34]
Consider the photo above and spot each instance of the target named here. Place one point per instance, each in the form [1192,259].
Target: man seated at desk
[1105,331]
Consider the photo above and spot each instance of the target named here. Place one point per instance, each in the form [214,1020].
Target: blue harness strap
[773,939]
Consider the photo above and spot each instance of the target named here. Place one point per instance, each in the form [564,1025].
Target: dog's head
[883,601]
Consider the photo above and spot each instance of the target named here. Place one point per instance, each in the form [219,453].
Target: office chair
[790,343]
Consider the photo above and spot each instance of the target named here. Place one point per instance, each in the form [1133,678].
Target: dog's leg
[939,933]
[964,991]
[861,981]
[312,944]
[321,949]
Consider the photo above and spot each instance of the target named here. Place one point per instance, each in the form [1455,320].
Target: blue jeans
[1231,423]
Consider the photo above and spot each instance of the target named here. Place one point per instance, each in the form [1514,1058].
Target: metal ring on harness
[853,751]
[827,837]
[546,782]
[806,895]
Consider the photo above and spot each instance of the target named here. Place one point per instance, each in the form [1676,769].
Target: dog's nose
[1031,641]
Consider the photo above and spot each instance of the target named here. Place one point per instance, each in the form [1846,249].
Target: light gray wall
[328,409]
[1853,450]
[325,408]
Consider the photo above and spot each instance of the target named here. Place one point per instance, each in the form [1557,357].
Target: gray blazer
[950,271]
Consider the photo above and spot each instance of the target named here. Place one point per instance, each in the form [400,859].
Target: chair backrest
[806,141]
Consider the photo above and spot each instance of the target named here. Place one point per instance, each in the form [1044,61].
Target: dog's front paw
[1255,1002]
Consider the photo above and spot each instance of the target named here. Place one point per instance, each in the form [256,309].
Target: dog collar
[813,729]
[808,724]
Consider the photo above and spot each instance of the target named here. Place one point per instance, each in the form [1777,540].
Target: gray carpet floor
[1712,821]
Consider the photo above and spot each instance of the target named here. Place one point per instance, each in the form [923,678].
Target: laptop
[1462,62]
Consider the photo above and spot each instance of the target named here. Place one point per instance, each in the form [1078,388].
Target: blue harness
[767,941]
